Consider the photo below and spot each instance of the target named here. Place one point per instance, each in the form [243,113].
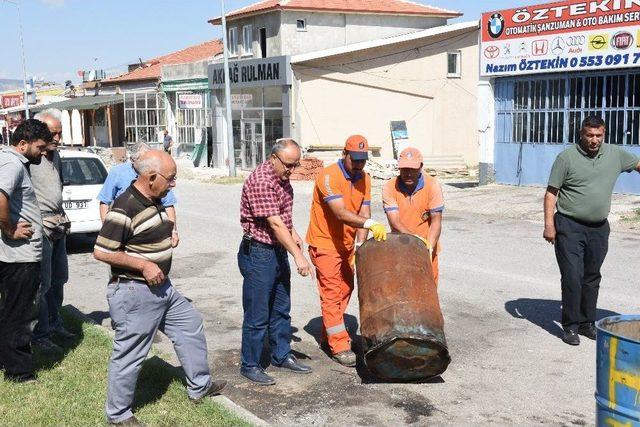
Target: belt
[247,239]
[126,279]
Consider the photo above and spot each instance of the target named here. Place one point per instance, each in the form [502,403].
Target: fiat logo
[622,40]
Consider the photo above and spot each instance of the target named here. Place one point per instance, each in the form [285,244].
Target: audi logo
[574,41]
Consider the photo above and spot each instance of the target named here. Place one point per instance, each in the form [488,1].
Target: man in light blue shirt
[120,178]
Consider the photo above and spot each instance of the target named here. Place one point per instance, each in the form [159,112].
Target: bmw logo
[495,26]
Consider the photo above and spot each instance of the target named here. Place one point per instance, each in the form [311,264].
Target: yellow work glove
[426,242]
[378,230]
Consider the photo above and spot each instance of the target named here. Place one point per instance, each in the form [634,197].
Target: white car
[83,175]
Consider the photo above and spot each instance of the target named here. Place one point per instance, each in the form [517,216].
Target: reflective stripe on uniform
[336,329]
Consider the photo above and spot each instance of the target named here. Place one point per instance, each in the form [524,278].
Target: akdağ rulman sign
[564,36]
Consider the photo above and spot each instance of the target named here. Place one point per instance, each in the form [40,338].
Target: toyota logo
[491,52]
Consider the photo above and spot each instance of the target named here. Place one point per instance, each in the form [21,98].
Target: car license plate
[76,204]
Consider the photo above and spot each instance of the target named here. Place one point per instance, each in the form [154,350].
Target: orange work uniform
[416,208]
[331,244]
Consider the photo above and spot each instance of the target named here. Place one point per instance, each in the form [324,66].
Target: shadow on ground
[47,361]
[155,378]
[81,243]
[544,313]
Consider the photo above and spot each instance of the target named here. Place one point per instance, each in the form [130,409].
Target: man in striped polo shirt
[135,240]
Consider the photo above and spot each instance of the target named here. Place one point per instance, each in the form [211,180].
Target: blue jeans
[55,273]
[266,300]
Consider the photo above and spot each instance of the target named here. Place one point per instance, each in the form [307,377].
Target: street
[499,291]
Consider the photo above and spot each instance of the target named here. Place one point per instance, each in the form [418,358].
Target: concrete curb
[239,411]
[221,400]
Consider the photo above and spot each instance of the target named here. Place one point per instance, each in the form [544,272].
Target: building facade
[318,74]
[544,69]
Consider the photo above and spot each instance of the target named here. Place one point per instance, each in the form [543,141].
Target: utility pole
[24,63]
[227,94]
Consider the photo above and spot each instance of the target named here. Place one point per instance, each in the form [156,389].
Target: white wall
[324,30]
[363,92]
[327,30]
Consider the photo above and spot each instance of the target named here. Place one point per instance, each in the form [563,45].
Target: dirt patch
[625,328]
[332,394]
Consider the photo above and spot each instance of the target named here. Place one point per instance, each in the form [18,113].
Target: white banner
[190,101]
[557,37]
[239,101]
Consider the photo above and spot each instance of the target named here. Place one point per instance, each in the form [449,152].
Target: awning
[83,103]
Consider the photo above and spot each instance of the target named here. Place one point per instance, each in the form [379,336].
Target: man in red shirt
[267,221]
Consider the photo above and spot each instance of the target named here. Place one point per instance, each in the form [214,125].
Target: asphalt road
[499,291]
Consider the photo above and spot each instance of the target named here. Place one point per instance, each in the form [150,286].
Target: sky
[64,36]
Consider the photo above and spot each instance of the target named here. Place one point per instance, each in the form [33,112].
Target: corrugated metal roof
[83,103]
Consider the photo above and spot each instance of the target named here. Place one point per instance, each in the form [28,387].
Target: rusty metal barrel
[400,318]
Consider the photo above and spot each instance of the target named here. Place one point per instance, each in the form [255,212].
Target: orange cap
[358,147]
[410,158]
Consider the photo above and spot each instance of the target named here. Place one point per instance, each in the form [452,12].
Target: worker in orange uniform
[340,221]
[414,204]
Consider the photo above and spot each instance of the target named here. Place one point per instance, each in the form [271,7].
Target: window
[550,110]
[144,116]
[263,42]
[232,41]
[247,40]
[83,171]
[453,64]
[301,25]
[191,123]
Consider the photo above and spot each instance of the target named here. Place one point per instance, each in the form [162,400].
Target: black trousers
[19,284]
[580,251]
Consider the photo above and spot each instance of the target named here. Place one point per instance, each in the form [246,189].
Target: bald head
[156,173]
[51,118]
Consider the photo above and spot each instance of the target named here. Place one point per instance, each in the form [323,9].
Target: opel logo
[598,42]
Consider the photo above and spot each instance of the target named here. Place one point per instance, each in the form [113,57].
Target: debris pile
[309,169]
[382,169]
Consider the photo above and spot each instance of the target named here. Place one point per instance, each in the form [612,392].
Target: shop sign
[563,36]
[9,101]
[240,101]
[274,71]
[190,101]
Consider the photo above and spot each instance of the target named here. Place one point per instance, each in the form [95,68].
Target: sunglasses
[286,165]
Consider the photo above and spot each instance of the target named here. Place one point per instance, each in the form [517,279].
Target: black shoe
[292,364]
[257,375]
[132,422]
[62,333]
[20,378]
[571,337]
[588,330]
[214,389]
[45,345]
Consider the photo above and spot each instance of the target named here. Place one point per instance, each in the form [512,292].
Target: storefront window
[192,117]
[257,123]
[144,117]
[551,109]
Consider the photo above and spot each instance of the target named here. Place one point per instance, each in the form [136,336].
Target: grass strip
[71,389]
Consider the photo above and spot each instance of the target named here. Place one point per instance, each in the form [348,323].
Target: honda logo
[540,47]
